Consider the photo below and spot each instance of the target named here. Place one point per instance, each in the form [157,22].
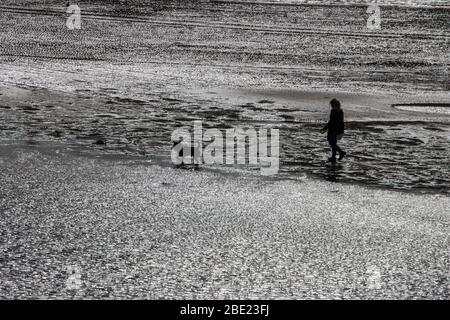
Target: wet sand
[146,231]
[136,71]
[387,147]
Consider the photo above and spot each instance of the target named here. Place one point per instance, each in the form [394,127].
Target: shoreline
[53,148]
[131,125]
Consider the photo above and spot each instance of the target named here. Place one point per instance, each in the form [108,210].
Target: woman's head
[335,104]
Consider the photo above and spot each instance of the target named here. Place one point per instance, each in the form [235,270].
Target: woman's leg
[332,140]
[333,150]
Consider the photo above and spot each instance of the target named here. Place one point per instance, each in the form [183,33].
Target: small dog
[196,159]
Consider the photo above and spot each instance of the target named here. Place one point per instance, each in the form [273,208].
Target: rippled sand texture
[134,73]
[162,233]
[316,45]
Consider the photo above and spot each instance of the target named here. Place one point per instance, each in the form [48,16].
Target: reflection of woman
[335,127]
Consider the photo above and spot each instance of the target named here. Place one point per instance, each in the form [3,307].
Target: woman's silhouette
[335,127]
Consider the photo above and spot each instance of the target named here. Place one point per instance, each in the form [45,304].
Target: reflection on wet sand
[407,153]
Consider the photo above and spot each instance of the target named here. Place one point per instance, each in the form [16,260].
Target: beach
[92,206]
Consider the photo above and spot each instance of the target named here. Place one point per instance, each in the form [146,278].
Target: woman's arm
[329,122]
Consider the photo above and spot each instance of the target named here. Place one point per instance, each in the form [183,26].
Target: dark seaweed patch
[265,101]
[172,100]
[287,117]
[28,108]
[56,134]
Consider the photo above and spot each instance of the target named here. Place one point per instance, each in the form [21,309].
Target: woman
[335,127]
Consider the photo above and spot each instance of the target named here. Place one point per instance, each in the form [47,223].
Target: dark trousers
[332,140]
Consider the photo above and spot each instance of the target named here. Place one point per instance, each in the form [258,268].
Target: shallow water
[400,154]
[129,80]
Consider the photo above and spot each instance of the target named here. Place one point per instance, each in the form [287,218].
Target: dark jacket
[335,125]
